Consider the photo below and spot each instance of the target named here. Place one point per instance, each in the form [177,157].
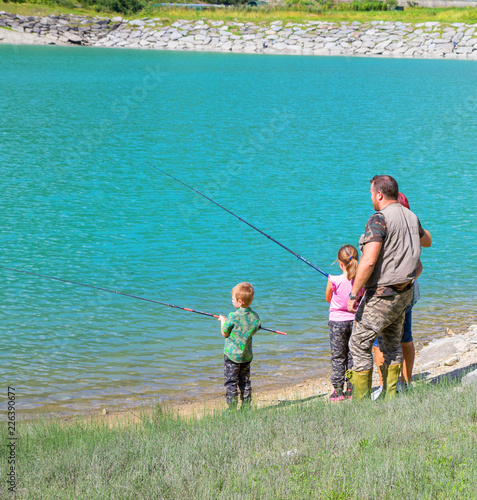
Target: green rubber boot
[390,380]
[361,383]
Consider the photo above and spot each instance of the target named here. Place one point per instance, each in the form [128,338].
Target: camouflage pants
[383,316]
[237,377]
[341,359]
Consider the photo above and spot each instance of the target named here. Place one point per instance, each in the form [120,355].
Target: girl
[341,321]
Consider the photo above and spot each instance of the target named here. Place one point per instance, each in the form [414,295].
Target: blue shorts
[407,330]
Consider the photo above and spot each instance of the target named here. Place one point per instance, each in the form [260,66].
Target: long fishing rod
[242,220]
[126,295]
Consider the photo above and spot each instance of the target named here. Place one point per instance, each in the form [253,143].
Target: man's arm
[365,269]
[426,240]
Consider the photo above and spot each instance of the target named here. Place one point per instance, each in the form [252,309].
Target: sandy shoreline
[307,390]
[430,40]
[456,366]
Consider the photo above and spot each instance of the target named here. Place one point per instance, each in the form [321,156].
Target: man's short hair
[386,185]
[245,292]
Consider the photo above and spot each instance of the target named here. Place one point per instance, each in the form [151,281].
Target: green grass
[465,15]
[26,9]
[261,15]
[419,446]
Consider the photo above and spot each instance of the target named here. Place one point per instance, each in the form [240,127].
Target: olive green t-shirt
[241,325]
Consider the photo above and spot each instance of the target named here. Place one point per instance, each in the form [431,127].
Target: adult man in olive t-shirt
[387,270]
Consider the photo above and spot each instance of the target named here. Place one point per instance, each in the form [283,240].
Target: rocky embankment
[377,38]
[456,351]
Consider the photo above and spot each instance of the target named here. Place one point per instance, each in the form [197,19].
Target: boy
[238,329]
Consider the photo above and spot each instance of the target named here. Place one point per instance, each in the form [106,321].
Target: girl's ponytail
[348,255]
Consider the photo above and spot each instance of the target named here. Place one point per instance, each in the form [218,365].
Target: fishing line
[126,295]
[242,220]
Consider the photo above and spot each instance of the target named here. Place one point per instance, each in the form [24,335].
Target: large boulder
[472,330]
[470,378]
[72,38]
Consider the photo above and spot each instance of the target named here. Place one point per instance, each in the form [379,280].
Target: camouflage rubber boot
[390,381]
[361,383]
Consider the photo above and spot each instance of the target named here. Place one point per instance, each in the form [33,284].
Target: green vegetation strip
[422,445]
[256,15]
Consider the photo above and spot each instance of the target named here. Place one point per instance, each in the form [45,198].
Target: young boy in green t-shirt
[238,329]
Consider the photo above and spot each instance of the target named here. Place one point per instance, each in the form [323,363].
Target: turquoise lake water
[288,143]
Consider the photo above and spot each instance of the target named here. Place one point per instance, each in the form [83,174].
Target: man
[389,265]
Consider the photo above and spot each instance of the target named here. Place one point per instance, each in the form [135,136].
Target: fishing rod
[127,295]
[242,220]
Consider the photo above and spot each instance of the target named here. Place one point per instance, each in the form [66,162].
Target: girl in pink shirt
[341,321]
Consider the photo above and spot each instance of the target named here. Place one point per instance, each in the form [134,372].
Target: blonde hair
[245,292]
[348,255]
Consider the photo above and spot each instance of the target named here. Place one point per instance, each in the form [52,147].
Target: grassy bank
[420,446]
[258,15]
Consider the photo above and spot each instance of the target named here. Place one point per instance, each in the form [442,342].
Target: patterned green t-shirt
[241,325]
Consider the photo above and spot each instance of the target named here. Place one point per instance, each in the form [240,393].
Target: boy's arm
[226,324]
[257,324]
[329,291]
[222,320]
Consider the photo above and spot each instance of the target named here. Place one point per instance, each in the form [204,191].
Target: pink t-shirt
[341,287]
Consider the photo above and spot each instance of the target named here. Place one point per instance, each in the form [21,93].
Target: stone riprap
[377,38]
[454,350]
[442,350]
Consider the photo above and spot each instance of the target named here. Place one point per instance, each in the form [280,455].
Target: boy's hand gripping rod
[127,295]
[242,220]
